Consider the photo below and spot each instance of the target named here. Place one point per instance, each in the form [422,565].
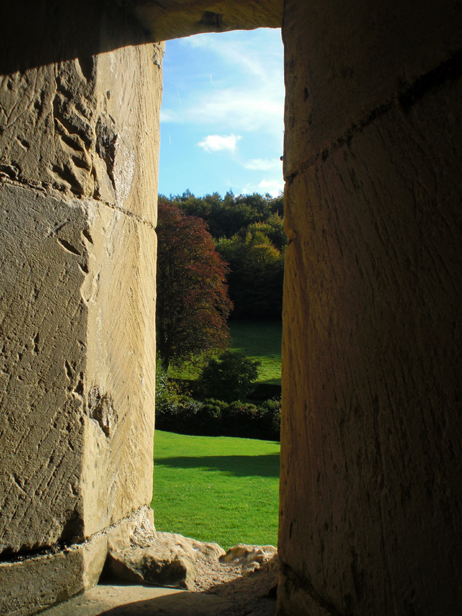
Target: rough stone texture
[43,325]
[78,352]
[30,585]
[250,557]
[345,65]
[371,453]
[167,19]
[72,126]
[220,588]
[78,183]
[168,560]
[370,486]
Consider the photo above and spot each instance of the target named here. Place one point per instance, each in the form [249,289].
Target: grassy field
[216,488]
[257,339]
[260,340]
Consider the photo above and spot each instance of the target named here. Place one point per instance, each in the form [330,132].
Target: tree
[256,258]
[192,294]
[226,216]
[230,377]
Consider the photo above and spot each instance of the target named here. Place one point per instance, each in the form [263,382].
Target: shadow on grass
[239,466]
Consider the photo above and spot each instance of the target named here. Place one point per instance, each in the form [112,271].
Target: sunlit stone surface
[370,488]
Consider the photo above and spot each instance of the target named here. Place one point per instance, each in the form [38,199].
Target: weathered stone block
[31,585]
[167,20]
[71,127]
[43,340]
[119,293]
[77,368]
[372,389]
[345,64]
[78,168]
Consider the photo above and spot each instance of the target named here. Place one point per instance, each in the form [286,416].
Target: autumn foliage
[248,231]
[192,294]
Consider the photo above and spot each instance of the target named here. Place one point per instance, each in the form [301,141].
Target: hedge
[184,415]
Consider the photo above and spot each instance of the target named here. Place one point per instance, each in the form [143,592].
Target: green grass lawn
[258,340]
[218,489]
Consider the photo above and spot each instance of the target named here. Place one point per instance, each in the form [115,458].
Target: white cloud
[260,164]
[241,109]
[244,53]
[233,108]
[247,90]
[217,143]
[273,187]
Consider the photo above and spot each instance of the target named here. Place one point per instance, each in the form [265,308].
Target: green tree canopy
[230,377]
[256,259]
[226,216]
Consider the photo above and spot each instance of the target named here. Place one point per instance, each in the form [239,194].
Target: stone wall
[370,491]
[78,186]
[371,451]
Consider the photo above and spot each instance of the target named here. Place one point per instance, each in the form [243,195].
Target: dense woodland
[248,232]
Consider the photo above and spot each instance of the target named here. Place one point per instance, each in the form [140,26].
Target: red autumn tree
[192,294]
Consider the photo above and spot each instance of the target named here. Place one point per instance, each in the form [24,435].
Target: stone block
[42,364]
[372,390]
[71,127]
[119,293]
[345,64]
[78,368]
[31,585]
[78,187]
[169,20]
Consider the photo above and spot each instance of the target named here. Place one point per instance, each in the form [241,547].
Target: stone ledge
[33,584]
[29,586]
[169,20]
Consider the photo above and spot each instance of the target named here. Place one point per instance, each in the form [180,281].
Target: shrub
[167,391]
[178,412]
[270,417]
[230,377]
[241,419]
[208,420]
[173,408]
[178,415]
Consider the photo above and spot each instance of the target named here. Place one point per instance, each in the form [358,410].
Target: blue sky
[222,114]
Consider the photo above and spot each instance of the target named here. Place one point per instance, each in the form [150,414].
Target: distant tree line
[193,305]
[248,232]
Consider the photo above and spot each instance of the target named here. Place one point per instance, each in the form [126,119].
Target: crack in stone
[448,70]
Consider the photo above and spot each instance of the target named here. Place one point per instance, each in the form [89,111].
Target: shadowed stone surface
[167,19]
[370,453]
[236,598]
[140,600]
[370,518]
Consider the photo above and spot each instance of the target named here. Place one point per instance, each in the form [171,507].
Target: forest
[219,259]
[248,233]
